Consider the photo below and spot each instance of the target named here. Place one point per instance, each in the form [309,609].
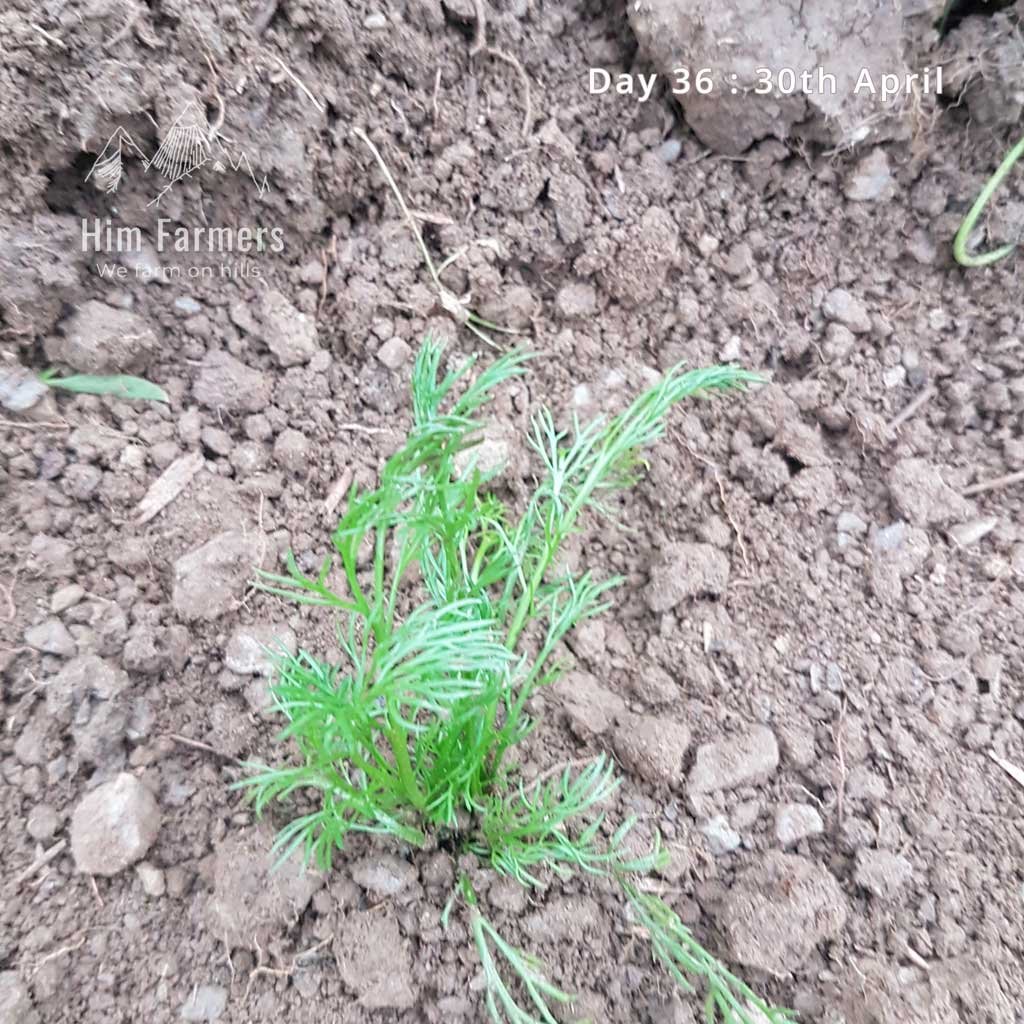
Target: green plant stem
[399,747]
[960,253]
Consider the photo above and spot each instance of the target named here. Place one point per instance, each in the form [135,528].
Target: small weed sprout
[963,235]
[412,733]
[118,385]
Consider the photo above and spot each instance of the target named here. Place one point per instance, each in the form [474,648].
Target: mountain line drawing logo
[187,146]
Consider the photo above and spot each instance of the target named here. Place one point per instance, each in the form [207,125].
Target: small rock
[720,835]
[291,450]
[794,822]
[568,919]
[186,305]
[15,1002]
[922,497]
[884,874]
[209,580]
[206,1002]
[20,389]
[289,333]
[43,822]
[152,879]
[375,22]
[590,708]
[848,522]
[114,826]
[966,534]
[576,301]
[840,306]
[686,571]
[226,384]
[871,179]
[84,678]
[98,338]
[66,597]
[740,260]
[251,649]
[51,637]
[374,961]
[776,913]
[394,354]
[740,760]
[439,871]
[383,876]
[652,746]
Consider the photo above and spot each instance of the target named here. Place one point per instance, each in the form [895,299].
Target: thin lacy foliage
[435,584]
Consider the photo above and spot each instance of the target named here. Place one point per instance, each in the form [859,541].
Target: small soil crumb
[384,875]
[652,747]
[794,822]
[571,919]
[151,878]
[253,896]
[884,874]
[871,179]
[720,835]
[289,333]
[15,1002]
[841,307]
[748,758]
[226,384]
[98,338]
[685,571]
[206,1002]
[251,649]
[777,912]
[590,708]
[209,580]
[922,497]
[51,637]
[373,960]
[114,826]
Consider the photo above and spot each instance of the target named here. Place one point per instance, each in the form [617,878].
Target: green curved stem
[960,253]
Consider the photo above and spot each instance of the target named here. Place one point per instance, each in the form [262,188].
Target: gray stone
[394,354]
[210,580]
[251,650]
[66,597]
[151,878]
[20,389]
[794,822]
[871,179]
[114,826]
[206,1002]
[841,307]
[966,534]
[51,637]
[740,760]
[43,822]
[720,835]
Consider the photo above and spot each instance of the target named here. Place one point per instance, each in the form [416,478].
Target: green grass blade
[117,385]
[960,253]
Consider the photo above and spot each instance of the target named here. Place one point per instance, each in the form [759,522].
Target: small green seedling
[960,253]
[452,613]
[117,385]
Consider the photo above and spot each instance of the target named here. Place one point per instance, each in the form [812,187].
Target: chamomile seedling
[446,633]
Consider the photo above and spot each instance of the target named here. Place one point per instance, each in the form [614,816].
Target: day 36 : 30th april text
[882,86]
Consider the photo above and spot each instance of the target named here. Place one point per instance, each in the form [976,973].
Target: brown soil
[848,639]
